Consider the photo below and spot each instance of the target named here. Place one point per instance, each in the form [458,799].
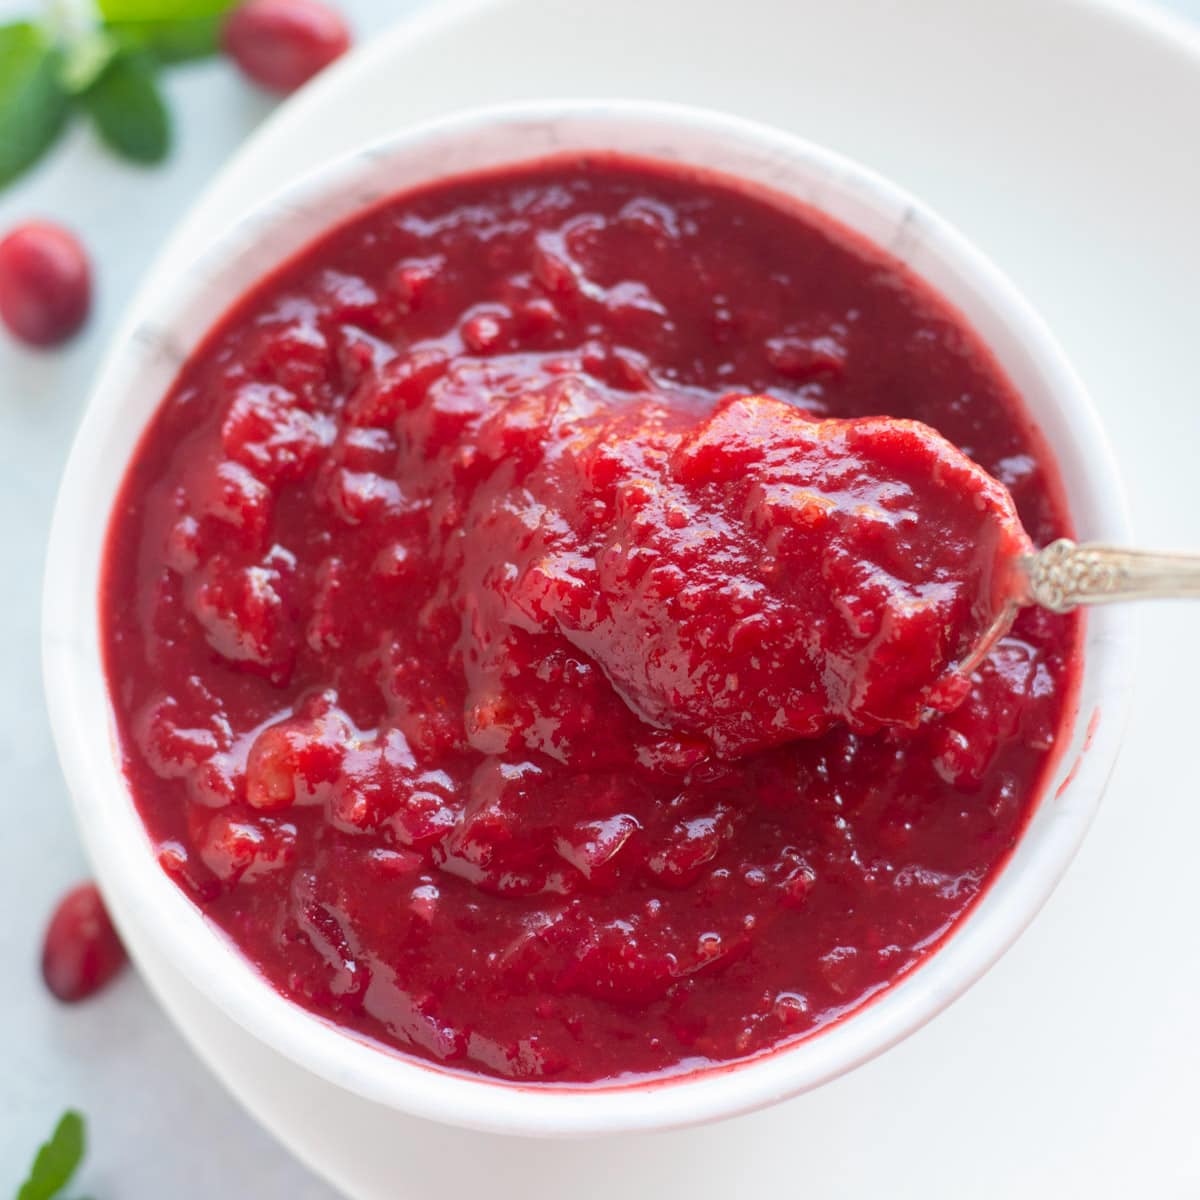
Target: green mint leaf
[161,10]
[33,104]
[128,110]
[171,41]
[56,1161]
[86,58]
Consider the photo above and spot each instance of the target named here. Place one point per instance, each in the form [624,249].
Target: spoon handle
[1063,575]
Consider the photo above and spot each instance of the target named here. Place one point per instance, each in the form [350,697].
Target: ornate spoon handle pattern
[1064,575]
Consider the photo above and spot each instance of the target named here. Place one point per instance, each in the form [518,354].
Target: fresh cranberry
[82,952]
[45,283]
[281,44]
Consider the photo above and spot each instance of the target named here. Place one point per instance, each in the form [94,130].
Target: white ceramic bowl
[141,366]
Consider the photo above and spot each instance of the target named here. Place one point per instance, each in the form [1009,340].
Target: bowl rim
[127,868]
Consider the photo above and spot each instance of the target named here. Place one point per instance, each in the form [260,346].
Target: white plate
[1062,137]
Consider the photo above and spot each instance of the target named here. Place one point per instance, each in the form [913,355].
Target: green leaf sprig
[57,1160]
[33,104]
[108,71]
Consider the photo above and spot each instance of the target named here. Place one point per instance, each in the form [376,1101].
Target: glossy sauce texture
[446,616]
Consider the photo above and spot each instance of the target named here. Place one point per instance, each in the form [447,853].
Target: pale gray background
[161,1128]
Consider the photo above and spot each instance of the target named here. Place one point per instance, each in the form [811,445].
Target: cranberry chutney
[384,732]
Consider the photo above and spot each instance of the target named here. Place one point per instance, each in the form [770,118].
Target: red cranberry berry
[82,952]
[45,283]
[281,44]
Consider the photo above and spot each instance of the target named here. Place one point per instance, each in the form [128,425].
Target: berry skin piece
[82,952]
[45,283]
[281,44]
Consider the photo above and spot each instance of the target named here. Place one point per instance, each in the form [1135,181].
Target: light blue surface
[161,1128]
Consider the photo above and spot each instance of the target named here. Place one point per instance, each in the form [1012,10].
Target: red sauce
[515,684]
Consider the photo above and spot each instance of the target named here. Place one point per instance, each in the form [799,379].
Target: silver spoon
[1063,575]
